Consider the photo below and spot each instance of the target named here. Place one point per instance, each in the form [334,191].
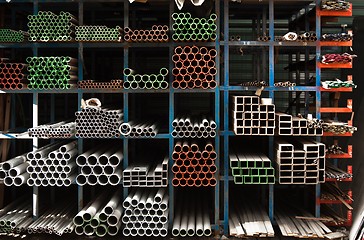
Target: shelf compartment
[335,44]
[336,110]
[335,65]
[328,13]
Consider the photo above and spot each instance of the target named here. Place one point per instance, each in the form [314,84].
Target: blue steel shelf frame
[221,92]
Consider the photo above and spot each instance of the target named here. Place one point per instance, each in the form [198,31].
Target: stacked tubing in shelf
[146,213]
[294,37]
[337,37]
[335,5]
[52,73]
[13,75]
[158,33]
[187,28]
[193,167]
[193,127]
[57,130]
[337,58]
[137,129]
[53,165]
[47,26]
[101,166]
[338,128]
[97,122]
[146,175]
[98,34]
[13,171]
[334,172]
[91,84]
[337,83]
[145,81]
[15,217]
[100,217]
[192,216]
[8,35]
[194,67]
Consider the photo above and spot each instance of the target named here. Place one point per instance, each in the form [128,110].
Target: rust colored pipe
[185,147]
[190,182]
[213,169]
[209,147]
[205,182]
[175,168]
[205,169]
[187,49]
[202,175]
[178,147]
[186,175]
[213,53]
[198,168]
[203,50]
[179,175]
[182,156]
[190,155]
[213,155]
[209,162]
[201,162]
[190,169]
[179,162]
[205,84]
[194,147]
[205,154]
[191,84]
[175,182]
[194,175]
[194,162]
[213,182]
[182,182]
[175,72]
[175,84]
[187,163]
[182,169]
[178,50]
[198,183]
[198,83]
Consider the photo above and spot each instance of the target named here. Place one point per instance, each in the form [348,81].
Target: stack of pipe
[264,38]
[98,122]
[136,129]
[338,127]
[192,216]
[251,168]
[145,81]
[332,192]
[335,216]
[307,37]
[337,58]
[101,216]
[300,162]
[334,149]
[335,5]
[193,127]
[91,84]
[187,28]
[158,33]
[192,166]
[101,166]
[258,84]
[337,83]
[298,126]
[146,213]
[52,72]
[13,171]
[146,175]
[47,26]
[8,35]
[252,117]
[98,34]
[235,38]
[284,84]
[289,37]
[334,172]
[15,217]
[337,37]
[13,75]
[195,67]
[56,130]
[248,219]
[53,165]
[54,221]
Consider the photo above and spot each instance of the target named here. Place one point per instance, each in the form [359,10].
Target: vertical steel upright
[126,98]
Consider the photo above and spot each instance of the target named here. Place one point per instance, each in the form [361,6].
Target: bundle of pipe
[307,37]
[337,58]
[235,38]
[192,216]
[91,84]
[135,129]
[194,67]
[334,149]
[336,173]
[146,213]
[158,33]
[101,216]
[335,5]
[298,126]
[252,117]
[15,216]
[337,37]
[98,123]
[54,221]
[52,72]
[13,171]
[56,130]
[8,35]
[193,127]
[47,26]
[289,37]
[334,216]
[255,84]
[284,84]
[101,166]
[13,75]
[264,38]
[338,127]
[192,166]
[53,165]
[250,168]
[332,192]
[337,83]
[145,81]
[187,28]
[300,162]
[180,3]
[248,219]
[146,175]
[98,34]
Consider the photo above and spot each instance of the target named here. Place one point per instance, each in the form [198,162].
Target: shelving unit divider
[126,98]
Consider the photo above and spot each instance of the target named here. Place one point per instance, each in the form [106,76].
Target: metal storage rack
[221,94]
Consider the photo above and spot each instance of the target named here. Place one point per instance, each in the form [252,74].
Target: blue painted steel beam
[126,99]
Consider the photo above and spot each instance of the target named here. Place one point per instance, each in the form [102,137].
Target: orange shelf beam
[345,155]
[335,110]
[341,89]
[330,134]
[333,13]
[341,180]
[335,65]
[325,201]
[346,224]
[335,44]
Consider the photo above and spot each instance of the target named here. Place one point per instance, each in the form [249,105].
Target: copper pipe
[185,147]
[175,182]
[175,72]
[205,182]
[205,84]
[175,84]
[186,175]
[194,147]
[213,169]
[187,49]
[182,182]
[175,169]
[175,156]
[179,162]
[209,147]
[213,53]
[209,162]
[198,183]
[213,182]
[182,169]
[178,50]
[191,84]
[198,155]
[205,169]
[203,50]
[183,84]
[213,155]
[190,182]
[182,156]
[178,147]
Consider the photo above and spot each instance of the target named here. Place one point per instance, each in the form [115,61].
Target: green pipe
[164,85]
[163,71]
[160,78]
[149,85]
[152,77]
[101,230]
[156,85]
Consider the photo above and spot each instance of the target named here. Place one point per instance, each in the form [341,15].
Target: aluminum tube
[94,207]
[159,196]
[21,179]
[81,160]
[199,221]
[8,181]
[184,223]
[115,179]
[68,147]
[116,158]
[92,160]
[13,162]
[113,230]
[206,221]
[19,169]
[114,219]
